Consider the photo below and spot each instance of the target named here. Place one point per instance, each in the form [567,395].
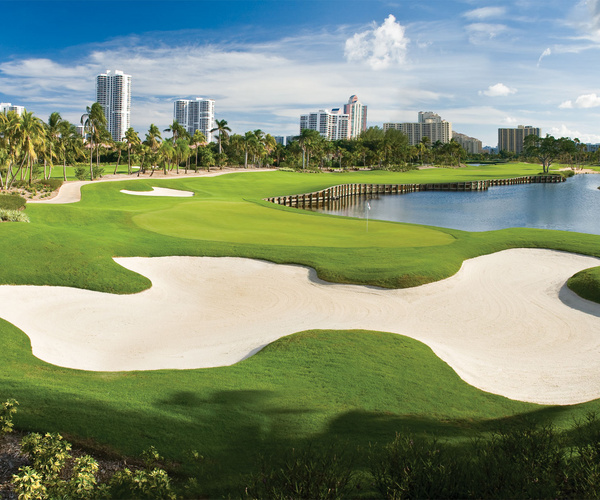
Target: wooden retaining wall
[335,193]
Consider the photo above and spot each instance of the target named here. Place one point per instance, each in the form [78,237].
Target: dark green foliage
[81,173]
[12,202]
[412,467]
[310,473]
[51,183]
[526,461]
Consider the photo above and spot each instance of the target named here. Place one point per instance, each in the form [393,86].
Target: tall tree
[133,140]
[222,129]
[53,130]
[94,122]
[546,150]
[196,141]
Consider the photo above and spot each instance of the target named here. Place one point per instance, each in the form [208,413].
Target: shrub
[7,412]
[53,184]
[13,216]
[98,171]
[306,474]
[81,173]
[12,202]
[410,467]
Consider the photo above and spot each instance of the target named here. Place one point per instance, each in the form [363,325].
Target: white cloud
[485,13]
[583,101]
[379,47]
[565,131]
[483,32]
[546,53]
[498,90]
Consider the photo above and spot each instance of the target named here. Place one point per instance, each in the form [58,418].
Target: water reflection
[568,206]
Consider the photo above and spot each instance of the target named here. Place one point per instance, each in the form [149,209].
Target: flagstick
[368,208]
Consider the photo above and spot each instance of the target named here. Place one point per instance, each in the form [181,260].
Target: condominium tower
[113,92]
[429,125]
[339,123]
[332,125]
[196,114]
[511,139]
[357,116]
[5,107]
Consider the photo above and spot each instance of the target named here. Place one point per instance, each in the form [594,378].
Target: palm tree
[70,142]
[94,122]
[52,135]
[307,139]
[222,129]
[197,139]
[250,143]
[133,140]
[119,147]
[166,152]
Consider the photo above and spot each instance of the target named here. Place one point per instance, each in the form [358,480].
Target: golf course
[320,385]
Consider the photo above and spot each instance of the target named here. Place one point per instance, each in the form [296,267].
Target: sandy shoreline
[505,322]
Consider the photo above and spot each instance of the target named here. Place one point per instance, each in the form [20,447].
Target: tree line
[30,147]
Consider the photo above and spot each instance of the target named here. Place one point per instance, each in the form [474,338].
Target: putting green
[244,222]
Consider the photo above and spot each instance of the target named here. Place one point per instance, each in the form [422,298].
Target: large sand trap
[505,322]
[158,191]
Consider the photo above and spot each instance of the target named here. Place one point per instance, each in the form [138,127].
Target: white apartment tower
[332,125]
[357,116]
[196,114]
[113,92]
[5,107]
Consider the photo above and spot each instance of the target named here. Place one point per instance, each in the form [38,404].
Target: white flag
[368,206]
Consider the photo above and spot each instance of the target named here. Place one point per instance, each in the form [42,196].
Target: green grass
[349,387]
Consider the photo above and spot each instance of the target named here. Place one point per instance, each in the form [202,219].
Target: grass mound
[586,284]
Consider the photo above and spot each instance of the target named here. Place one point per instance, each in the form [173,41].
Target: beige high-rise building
[511,139]
[469,144]
[430,125]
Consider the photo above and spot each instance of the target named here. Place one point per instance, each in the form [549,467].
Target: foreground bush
[12,202]
[307,474]
[13,216]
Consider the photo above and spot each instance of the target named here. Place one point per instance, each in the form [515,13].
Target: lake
[573,205]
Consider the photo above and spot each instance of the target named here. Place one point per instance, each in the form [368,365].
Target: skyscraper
[113,92]
[357,114]
[511,139]
[197,114]
[332,125]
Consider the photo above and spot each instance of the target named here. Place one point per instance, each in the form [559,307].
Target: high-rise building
[357,116]
[196,114]
[429,125]
[113,92]
[332,125]
[339,123]
[469,144]
[5,107]
[511,139]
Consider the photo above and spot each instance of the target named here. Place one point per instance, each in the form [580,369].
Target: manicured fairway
[349,387]
[243,222]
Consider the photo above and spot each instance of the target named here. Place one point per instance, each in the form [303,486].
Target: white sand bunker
[158,191]
[505,322]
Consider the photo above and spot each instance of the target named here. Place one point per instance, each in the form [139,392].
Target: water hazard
[567,206]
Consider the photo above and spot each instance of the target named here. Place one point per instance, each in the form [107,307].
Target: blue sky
[479,64]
